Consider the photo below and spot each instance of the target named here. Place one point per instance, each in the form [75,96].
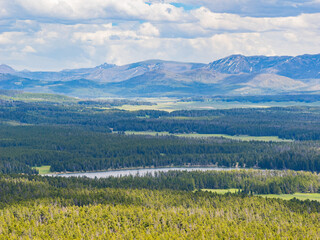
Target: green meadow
[38,97]
[197,135]
[43,170]
[222,191]
[172,104]
[300,196]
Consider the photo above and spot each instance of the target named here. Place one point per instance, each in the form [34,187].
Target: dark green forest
[77,136]
[298,123]
[74,149]
[247,181]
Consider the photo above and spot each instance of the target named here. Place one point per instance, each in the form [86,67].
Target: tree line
[246,181]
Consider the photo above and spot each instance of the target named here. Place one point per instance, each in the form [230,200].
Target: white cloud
[28,49]
[233,22]
[103,34]
[254,8]
[147,29]
[93,9]
[11,37]
[56,34]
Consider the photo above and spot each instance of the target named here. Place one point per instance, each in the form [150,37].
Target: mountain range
[233,75]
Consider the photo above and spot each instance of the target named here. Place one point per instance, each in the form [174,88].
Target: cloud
[57,34]
[254,8]
[83,10]
[207,49]
[233,22]
[10,37]
[147,29]
[28,49]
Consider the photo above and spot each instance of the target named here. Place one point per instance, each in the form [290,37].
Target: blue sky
[61,34]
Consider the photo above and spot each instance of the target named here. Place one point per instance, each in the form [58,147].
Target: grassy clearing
[149,133]
[197,135]
[222,191]
[38,97]
[194,118]
[300,196]
[14,123]
[46,97]
[43,170]
[172,104]
[238,137]
[159,106]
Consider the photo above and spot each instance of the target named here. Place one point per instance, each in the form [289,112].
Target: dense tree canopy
[299,123]
[34,208]
[77,136]
[67,148]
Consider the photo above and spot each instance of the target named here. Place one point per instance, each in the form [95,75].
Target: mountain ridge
[235,74]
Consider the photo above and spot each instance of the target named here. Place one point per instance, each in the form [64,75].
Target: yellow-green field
[172,104]
[300,196]
[197,135]
[193,118]
[237,137]
[43,169]
[147,133]
[38,97]
[14,123]
[222,191]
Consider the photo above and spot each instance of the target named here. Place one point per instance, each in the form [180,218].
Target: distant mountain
[233,75]
[300,67]
[113,73]
[236,64]
[5,69]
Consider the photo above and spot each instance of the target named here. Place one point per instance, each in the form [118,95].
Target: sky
[63,34]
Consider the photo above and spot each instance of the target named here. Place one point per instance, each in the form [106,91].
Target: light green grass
[149,133]
[172,104]
[46,97]
[194,118]
[221,191]
[14,123]
[237,137]
[197,135]
[169,107]
[39,97]
[43,170]
[300,196]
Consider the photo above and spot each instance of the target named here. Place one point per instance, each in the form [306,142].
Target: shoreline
[145,168]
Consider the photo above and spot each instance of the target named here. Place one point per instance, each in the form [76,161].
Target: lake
[140,172]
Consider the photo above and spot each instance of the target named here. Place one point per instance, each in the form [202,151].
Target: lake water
[140,172]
